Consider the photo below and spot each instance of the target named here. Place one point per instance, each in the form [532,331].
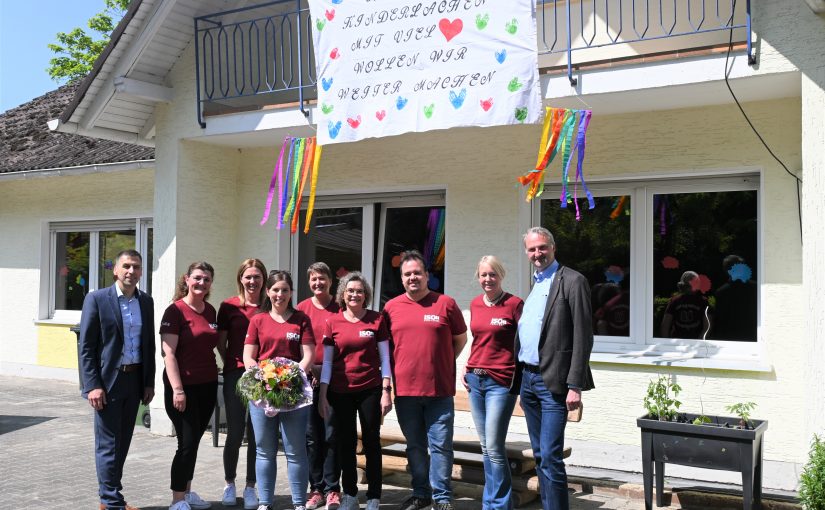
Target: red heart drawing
[486,104]
[354,123]
[334,54]
[380,114]
[449,28]
[330,14]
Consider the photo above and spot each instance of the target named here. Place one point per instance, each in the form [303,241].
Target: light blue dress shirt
[132,323]
[529,326]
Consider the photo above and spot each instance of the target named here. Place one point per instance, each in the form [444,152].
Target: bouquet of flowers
[275,385]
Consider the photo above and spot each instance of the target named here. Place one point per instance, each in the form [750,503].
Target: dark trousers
[367,405]
[237,420]
[189,427]
[322,451]
[114,425]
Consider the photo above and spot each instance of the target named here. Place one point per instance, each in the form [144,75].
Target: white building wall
[26,208]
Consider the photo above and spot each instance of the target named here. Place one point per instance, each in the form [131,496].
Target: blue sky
[26,27]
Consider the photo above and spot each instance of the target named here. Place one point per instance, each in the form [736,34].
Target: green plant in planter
[743,411]
[701,420]
[812,481]
[661,399]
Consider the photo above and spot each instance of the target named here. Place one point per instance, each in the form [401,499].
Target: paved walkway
[47,459]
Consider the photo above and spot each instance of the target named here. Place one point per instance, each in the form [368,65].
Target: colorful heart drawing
[514,85]
[334,54]
[401,102]
[449,28]
[512,26]
[354,123]
[326,84]
[329,14]
[458,99]
[334,129]
[501,56]
[486,104]
[481,21]
[327,108]
[521,113]
[336,2]
[320,24]
[380,114]
[428,110]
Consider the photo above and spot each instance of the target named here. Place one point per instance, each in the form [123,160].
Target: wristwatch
[388,389]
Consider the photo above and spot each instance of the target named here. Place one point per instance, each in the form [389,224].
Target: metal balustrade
[266,49]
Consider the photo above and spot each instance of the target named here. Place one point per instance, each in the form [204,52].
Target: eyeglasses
[355,292]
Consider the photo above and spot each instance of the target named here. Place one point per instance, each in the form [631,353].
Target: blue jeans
[293,427]
[546,417]
[428,421]
[492,406]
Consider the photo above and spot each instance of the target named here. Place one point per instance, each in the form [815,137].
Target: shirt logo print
[293,337]
[498,322]
[432,318]
[366,333]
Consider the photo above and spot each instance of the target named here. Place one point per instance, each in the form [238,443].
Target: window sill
[674,359]
[61,318]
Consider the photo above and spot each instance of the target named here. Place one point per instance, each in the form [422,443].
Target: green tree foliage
[77,50]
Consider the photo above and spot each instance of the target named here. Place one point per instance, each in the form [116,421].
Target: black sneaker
[415,503]
[443,505]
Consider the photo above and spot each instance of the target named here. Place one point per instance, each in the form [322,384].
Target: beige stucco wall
[26,208]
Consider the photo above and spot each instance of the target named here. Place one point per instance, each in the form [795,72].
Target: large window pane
[147,258]
[704,265]
[412,228]
[112,243]
[71,269]
[598,246]
[334,238]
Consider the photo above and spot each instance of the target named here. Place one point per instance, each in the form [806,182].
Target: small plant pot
[719,444]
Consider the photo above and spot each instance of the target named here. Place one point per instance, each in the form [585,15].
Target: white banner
[387,67]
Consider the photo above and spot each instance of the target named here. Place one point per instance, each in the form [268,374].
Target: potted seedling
[698,440]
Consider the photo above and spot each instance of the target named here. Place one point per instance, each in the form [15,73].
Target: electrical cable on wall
[764,143]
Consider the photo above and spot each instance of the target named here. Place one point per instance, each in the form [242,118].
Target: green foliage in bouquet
[276,383]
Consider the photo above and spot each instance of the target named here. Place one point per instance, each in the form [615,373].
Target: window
[83,256]
[672,264]
[367,233]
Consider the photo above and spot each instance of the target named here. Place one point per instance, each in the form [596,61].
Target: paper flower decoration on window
[701,283]
[740,272]
[342,272]
[670,262]
[614,274]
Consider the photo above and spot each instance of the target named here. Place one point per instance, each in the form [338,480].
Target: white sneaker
[373,504]
[349,502]
[250,498]
[264,507]
[196,501]
[230,497]
[180,505]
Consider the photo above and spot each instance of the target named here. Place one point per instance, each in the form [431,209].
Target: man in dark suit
[117,368]
[552,348]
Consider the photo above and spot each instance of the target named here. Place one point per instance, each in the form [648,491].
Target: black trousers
[366,405]
[189,427]
[237,420]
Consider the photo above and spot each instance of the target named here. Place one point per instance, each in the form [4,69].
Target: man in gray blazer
[552,349]
[117,368]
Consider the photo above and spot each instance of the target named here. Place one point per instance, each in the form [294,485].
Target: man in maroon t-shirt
[428,333]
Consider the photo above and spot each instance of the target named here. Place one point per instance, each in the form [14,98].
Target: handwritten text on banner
[387,67]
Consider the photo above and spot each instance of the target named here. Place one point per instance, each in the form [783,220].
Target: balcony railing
[262,54]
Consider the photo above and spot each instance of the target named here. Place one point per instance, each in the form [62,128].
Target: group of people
[538,348]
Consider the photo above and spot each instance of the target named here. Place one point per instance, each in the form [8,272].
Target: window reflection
[112,243]
[334,238]
[71,270]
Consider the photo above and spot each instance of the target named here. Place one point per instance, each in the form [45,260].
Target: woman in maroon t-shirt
[355,380]
[286,333]
[494,317]
[188,335]
[323,480]
[233,321]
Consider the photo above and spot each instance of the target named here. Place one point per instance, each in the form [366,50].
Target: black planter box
[711,446]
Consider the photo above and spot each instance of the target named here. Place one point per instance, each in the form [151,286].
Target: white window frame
[642,347]
[49,312]
[371,244]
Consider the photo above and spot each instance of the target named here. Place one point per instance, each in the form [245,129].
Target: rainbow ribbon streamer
[434,249]
[302,162]
[564,132]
